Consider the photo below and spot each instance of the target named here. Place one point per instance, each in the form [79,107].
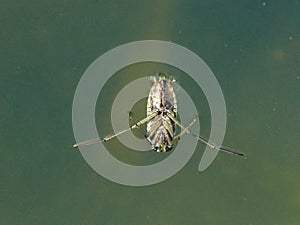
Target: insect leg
[185,130]
[134,126]
[89,142]
[202,139]
[219,148]
[107,138]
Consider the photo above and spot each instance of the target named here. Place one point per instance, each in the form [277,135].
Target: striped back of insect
[161,99]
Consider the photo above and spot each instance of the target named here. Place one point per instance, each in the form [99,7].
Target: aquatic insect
[162,119]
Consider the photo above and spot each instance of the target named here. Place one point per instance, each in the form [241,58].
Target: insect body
[161,101]
[161,119]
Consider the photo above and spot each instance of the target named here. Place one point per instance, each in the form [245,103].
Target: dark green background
[252,47]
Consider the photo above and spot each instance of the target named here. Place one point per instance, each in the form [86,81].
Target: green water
[253,48]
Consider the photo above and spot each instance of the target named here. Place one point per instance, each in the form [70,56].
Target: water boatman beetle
[162,119]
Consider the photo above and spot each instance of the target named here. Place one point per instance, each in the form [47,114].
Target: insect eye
[155,148]
[168,148]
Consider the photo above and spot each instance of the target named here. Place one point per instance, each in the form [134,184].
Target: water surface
[251,46]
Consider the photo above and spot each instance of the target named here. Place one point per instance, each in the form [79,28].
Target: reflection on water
[251,46]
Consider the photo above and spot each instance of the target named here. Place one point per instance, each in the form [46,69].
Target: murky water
[251,46]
